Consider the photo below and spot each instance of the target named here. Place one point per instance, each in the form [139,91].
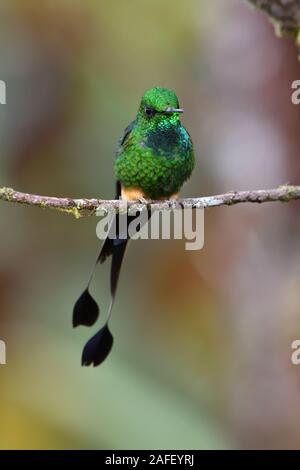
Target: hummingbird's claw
[142,200]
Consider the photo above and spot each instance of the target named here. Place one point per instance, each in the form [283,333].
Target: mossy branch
[86,207]
[285,14]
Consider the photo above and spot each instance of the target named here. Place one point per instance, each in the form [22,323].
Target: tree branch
[87,207]
[284,13]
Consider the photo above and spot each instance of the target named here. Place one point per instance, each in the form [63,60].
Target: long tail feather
[106,250]
[86,310]
[97,348]
[116,264]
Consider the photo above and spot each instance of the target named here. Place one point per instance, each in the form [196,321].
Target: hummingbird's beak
[170,110]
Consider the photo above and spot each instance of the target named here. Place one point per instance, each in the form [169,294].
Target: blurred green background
[202,339]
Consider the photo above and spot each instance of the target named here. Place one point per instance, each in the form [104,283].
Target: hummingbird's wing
[124,138]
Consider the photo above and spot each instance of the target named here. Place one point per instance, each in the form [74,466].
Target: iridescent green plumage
[154,158]
[156,153]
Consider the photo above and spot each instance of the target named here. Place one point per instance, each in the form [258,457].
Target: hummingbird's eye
[149,111]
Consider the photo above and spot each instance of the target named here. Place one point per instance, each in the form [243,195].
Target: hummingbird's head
[159,107]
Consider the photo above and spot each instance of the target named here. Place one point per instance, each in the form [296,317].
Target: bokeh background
[202,339]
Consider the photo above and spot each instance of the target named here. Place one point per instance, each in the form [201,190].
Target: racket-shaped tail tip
[86,310]
[97,348]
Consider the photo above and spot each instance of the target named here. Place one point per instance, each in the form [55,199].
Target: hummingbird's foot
[143,200]
[174,204]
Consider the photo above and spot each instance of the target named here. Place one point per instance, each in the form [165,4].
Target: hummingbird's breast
[157,162]
[167,142]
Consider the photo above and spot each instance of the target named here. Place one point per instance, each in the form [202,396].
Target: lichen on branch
[285,15]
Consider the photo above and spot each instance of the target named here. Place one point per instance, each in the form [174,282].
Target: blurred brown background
[202,339]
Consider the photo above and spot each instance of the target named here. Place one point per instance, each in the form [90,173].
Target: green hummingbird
[154,158]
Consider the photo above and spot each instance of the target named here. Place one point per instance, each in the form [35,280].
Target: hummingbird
[154,158]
